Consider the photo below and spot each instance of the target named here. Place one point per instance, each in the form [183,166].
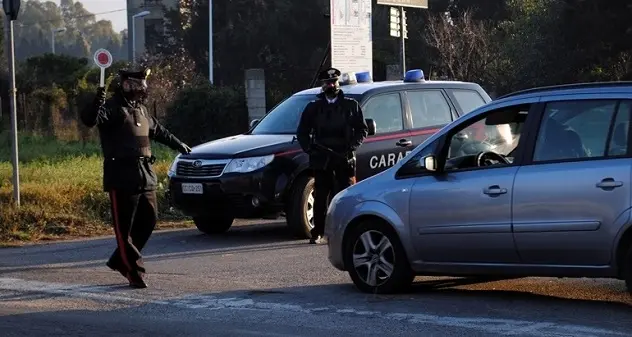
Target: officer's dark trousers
[134,218]
[326,185]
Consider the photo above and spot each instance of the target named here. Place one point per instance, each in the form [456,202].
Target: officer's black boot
[115,266]
[136,281]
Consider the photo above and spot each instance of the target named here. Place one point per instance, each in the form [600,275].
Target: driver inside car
[488,142]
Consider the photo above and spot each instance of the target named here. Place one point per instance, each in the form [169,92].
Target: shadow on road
[162,245]
[478,289]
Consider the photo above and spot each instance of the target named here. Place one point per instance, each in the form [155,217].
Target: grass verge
[61,191]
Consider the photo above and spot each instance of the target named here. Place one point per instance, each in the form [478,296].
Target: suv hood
[244,145]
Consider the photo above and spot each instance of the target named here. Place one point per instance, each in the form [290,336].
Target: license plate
[189,188]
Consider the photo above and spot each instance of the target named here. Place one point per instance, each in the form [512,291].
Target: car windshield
[284,118]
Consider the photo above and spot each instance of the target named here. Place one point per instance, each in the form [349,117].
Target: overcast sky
[118,19]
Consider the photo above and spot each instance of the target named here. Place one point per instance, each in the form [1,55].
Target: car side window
[581,129]
[428,108]
[386,111]
[468,100]
[489,141]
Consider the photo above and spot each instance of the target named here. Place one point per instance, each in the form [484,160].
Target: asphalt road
[255,281]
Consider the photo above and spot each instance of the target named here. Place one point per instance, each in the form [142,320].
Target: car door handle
[495,190]
[607,183]
[404,142]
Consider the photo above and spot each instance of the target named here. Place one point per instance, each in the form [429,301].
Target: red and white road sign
[103,58]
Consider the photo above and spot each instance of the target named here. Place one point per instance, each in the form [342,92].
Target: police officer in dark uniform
[126,128]
[331,129]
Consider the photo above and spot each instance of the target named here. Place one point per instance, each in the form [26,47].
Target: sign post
[11,10]
[398,22]
[103,59]
[351,35]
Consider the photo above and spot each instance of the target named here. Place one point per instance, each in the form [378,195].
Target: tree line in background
[505,45]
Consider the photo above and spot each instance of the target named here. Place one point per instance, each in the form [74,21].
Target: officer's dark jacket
[126,145]
[339,126]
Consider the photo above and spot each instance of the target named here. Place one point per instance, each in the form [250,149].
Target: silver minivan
[536,183]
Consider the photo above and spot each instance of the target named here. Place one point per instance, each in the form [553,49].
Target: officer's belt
[149,160]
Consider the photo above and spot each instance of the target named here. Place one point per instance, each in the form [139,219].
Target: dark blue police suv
[263,172]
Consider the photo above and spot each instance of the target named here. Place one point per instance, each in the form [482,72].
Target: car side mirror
[429,162]
[254,122]
[372,126]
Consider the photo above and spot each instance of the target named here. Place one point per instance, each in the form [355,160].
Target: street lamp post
[53,32]
[11,10]
[210,41]
[133,40]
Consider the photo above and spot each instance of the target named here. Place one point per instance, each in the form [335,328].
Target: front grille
[188,170]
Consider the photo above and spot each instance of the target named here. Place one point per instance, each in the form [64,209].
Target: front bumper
[246,195]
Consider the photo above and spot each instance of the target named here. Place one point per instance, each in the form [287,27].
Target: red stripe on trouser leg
[117,230]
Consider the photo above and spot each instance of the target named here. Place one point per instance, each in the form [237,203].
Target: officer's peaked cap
[139,75]
[331,74]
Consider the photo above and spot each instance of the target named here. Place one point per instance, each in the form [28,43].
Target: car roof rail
[584,85]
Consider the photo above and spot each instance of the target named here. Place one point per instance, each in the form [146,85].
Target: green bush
[202,112]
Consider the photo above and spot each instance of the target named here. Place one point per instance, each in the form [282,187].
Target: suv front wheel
[214,224]
[300,207]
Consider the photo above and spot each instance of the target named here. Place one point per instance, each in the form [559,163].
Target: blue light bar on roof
[414,75]
[363,77]
[348,78]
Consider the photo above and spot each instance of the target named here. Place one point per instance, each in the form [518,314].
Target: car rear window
[468,100]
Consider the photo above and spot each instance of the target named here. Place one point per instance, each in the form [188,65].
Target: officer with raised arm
[126,128]
[330,130]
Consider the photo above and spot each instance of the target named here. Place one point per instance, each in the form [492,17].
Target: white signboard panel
[351,35]
[405,3]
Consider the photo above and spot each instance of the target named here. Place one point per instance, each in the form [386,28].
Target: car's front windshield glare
[284,118]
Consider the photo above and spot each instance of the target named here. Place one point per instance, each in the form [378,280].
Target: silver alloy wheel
[373,258]
[309,209]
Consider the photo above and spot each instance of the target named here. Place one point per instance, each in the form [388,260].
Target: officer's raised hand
[100,97]
[184,148]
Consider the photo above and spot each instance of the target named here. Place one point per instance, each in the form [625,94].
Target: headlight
[172,168]
[243,165]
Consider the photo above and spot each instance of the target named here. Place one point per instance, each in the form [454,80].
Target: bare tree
[466,48]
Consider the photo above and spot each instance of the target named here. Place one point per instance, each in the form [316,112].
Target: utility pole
[404,36]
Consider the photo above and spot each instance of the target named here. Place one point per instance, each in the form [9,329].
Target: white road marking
[506,327]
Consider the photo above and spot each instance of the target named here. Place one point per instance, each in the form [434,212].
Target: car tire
[216,224]
[299,205]
[627,269]
[401,275]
